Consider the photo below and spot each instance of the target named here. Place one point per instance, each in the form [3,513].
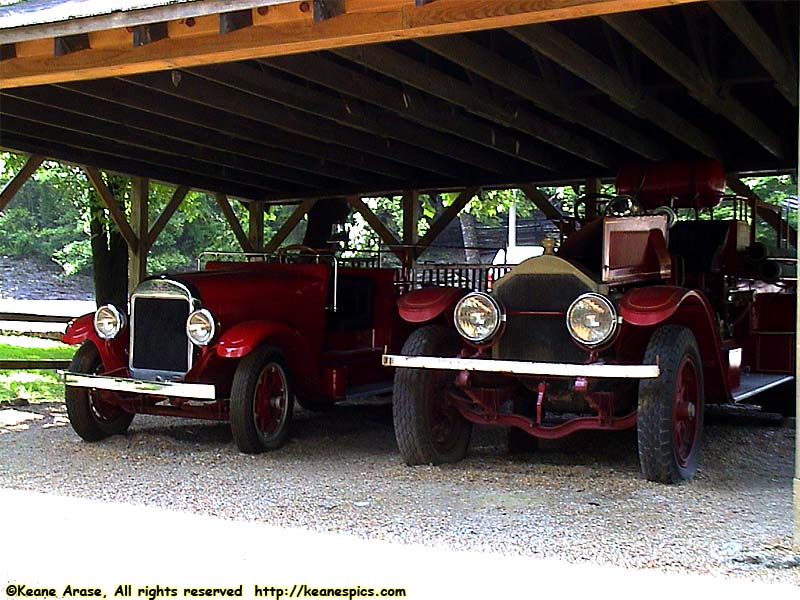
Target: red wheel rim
[271,400]
[685,412]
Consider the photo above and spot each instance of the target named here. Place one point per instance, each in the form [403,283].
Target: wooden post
[592,186]
[137,254]
[255,227]
[13,186]
[411,210]
[796,485]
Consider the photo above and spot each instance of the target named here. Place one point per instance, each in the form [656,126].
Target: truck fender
[426,304]
[672,305]
[245,337]
[112,352]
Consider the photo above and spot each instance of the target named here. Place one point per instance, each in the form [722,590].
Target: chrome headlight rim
[112,314]
[612,311]
[499,320]
[211,323]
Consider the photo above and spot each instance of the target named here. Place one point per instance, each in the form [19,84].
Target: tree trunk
[470,234]
[109,254]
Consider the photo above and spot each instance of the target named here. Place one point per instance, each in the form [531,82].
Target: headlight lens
[477,317]
[200,327]
[108,322]
[591,319]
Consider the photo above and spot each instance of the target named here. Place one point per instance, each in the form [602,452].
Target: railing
[16,364]
[472,277]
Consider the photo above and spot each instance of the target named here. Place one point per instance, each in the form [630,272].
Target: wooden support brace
[411,208]
[140,209]
[770,214]
[543,204]
[13,186]
[233,221]
[255,225]
[8,51]
[117,215]
[166,214]
[233,21]
[387,237]
[289,225]
[70,43]
[147,34]
[448,215]
[326,9]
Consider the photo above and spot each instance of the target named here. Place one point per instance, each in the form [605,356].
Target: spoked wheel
[261,401]
[427,428]
[91,415]
[670,418]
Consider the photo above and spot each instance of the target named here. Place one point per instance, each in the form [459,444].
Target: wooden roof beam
[229,99]
[422,110]
[426,79]
[12,187]
[355,114]
[755,39]
[180,117]
[562,50]
[70,135]
[653,44]
[492,67]
[286,29]
[125,135]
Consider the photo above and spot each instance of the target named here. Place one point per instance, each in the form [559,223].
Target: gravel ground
[580,500]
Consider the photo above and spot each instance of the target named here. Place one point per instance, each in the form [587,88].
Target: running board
[755,383]
[372,389]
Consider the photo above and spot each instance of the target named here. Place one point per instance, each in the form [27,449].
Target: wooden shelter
[271,101]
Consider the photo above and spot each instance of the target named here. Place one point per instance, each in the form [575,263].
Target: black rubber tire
[658,456]
[83,415]
[518,441]
[416,392]
[246,434]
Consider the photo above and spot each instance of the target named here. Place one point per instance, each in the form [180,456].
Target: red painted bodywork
[427,304]
[284,305]
[679,184]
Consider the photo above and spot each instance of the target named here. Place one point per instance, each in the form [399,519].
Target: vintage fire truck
[639,319]
[236,341]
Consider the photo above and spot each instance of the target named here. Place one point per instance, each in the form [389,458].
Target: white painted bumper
[521,367]
[200,391]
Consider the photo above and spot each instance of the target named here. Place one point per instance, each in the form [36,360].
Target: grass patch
[33,385]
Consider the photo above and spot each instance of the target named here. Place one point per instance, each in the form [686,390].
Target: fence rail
[472,277]
[45,363]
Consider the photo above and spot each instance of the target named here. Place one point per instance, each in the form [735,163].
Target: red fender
[426,304]
[112,352]
[245,337]
[671,305]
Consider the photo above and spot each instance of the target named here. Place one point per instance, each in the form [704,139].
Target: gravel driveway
[578,500]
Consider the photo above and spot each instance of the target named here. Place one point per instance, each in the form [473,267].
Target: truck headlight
[108,321]
[591,319]
[477,317]
[200,327]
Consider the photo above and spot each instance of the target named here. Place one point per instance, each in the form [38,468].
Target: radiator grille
[159,335]
[539,337]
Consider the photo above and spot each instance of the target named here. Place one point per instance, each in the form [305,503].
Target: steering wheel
[604,198]
[667,212]
[622,206]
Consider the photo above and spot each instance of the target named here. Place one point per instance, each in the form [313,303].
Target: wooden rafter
[166,214]
[653,44]
[562,50]
[12,187]
[114,209]
[285,29]
[541,202]
[760,44]
[492,67]
[233,221]
[429,80]
[450,213]
[422,110]
[289,225]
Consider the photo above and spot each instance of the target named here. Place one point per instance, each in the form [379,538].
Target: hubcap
[271,400]
[685,422]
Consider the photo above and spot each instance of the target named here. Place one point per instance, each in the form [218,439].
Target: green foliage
[32,385]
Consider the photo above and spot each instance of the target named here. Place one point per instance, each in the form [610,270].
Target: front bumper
[199,391]
[521,367]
